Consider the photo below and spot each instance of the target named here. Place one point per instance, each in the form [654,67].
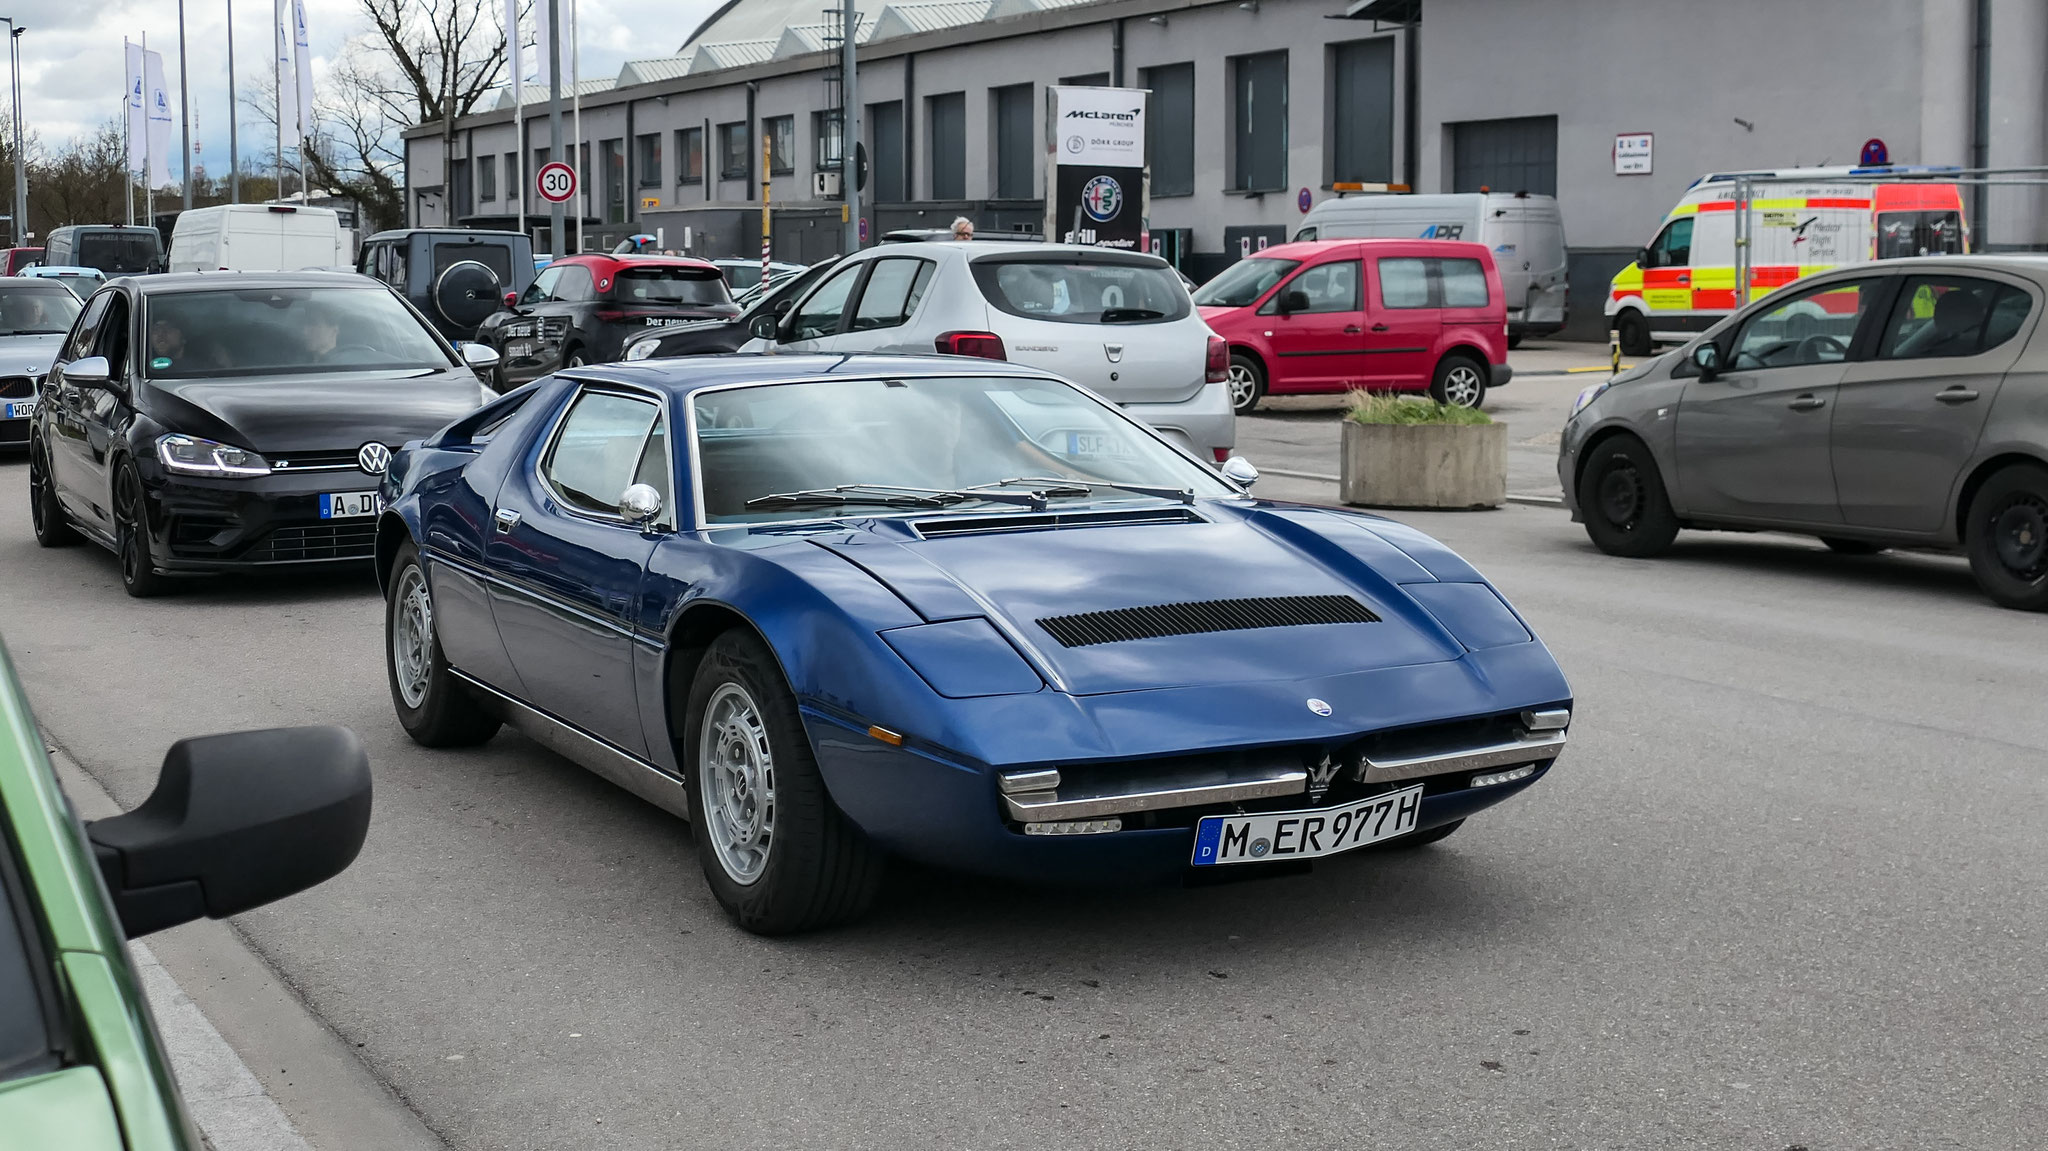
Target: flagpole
[512,49]
[277,50]
[148,159]
[576,103]
[234,113]
[184,111]
[554,51]
[127,133]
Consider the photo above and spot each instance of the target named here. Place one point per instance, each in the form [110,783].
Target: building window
[647,160]
[614,152]
[1091,80]
[1170,128]
[514,186]
[1258,122]
[486,178]
[464,190]
[885,152]
[1361,114]
[689,155]
[947,116]
[826,152]
[732,151]
[1518,155]
[1010,127]
[781,134]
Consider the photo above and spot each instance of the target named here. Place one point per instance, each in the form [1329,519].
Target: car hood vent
[1041,521]
[1128,623]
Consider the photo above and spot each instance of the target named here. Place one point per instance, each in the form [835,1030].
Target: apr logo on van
[1444,232]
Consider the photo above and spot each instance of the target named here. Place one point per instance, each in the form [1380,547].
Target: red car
[1382,315]
[13,260]
[584,309]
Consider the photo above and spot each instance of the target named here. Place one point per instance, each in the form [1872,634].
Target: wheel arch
[1252,353]
[391,531]
[1463,350]
[690,635]
[1974,482]
[1601,435]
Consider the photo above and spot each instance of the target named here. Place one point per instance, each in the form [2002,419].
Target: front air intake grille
[317,542]
[17,387]
[1128,623]
[1040,521]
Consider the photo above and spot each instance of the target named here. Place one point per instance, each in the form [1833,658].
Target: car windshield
[670,285]
[741,275]
[891,439]
[286,331]
[36,309]
[1241,284]
[1082,289]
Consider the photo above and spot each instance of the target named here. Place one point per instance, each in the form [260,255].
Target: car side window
[111,340]
[1812,327]
[1404,282]
[1464,283]
[397,270]
[655,472]
[599,450]
[543,286]
[1673,246]
[820,312]
[893,291]
[575,286]
[82,336]
[1331,287]
[1938,316]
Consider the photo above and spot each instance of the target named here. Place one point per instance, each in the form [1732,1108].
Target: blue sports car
[835,608]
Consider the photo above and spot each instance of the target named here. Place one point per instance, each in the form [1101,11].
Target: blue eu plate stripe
[1206,834]
[326,507]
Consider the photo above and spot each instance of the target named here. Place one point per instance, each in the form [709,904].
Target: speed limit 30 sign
[556,182]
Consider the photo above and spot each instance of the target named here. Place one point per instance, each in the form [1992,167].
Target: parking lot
[1782,890]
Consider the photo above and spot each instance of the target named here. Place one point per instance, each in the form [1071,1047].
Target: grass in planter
[1384,408]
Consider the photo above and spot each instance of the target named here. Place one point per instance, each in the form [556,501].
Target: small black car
[704,337]
[456,276]
[198,423]
[585,309]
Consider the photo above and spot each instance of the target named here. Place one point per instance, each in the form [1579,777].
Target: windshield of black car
[657,284]
[285,331]
[114,252]
[933,434]
[37,308]
[1082,289]
[1241,284]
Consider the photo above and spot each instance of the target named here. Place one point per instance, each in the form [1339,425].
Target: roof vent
[1204,616]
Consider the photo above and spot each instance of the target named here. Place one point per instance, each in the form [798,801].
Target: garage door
[1518,155]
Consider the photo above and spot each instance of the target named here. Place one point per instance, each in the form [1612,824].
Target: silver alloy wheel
[736,772]
[1244,387]
[1462,386]
[412,637]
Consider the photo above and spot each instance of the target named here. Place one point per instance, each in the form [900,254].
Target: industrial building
[1258,108]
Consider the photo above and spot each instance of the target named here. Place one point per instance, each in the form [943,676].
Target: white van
[259,238]
[1525,232]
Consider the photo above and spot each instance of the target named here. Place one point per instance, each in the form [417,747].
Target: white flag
[160,119]
[287,85]
[515,52]
[302,60]
[540,43]
[138,125]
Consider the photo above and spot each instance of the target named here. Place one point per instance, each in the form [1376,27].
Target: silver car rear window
[1083,289]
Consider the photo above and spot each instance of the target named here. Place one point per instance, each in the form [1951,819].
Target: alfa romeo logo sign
[1102,198]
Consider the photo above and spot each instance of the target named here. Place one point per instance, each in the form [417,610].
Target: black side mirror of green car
[236,821]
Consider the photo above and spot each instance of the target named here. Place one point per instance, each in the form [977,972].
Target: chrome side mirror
[479,355]
[640,504]
[1240,471]
[88,370]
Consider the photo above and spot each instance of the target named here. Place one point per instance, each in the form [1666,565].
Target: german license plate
[21,409]
[1305,834]
[347,505]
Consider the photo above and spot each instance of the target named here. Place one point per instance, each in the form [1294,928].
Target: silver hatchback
[1879,405]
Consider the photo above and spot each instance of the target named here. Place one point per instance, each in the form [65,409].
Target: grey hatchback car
[1877,405]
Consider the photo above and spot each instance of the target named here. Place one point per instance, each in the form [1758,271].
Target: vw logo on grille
[373,458]
[1319,707]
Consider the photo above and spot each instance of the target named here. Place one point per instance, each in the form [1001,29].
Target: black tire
[1247,383]
[1460,381]
[816,868]
[1622,498]
[1848,547]
[1420,838]
[139,577]
[46,516]
[1632,331]
[446,712]
[2006,533]
[573,357]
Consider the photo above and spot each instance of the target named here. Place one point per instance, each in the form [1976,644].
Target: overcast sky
[71,54]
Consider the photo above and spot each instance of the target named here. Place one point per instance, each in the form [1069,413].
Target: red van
[13,260]
[1383,315]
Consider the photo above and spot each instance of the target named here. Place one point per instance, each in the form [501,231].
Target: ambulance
[1684,280]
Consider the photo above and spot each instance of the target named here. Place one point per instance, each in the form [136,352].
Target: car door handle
[506,519]
[1685,277]
[1955,395]
[1351,329]
[1379,327]
[1806,403]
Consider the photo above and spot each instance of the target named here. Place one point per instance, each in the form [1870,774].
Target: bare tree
[85,182]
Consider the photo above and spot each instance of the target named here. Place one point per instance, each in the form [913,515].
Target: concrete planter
[1425,465]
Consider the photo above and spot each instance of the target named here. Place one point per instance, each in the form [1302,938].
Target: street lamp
[14,32]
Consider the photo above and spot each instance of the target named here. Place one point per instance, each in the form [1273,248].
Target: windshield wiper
[879,495]
[1064,486]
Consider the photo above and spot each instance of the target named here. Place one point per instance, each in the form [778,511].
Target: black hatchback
[200,423]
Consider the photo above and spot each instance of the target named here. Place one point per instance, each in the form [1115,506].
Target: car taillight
[1222,454]
[1218,364]
[608,316]
[986,345]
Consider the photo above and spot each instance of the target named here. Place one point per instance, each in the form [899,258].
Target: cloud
[72,66]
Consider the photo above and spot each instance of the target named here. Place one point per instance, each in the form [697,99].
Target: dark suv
[455,276]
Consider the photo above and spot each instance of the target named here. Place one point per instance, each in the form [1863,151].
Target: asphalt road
[1783,890]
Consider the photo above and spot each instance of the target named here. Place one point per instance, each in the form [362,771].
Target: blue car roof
[686,374]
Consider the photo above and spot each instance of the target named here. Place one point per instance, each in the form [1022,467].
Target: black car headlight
[192,456]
